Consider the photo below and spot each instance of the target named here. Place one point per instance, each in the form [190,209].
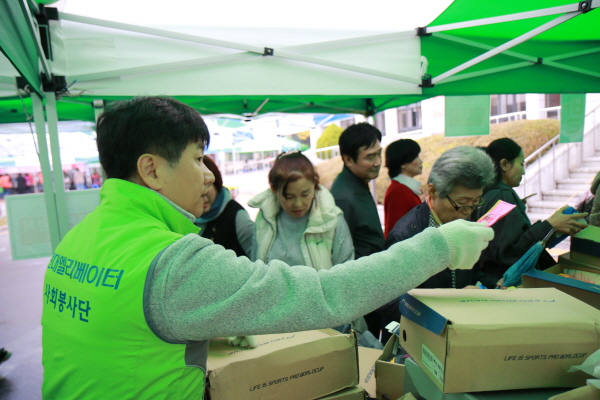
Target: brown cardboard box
[484,340]
[585,246]
[421,386]
[586,292]
[585,258]
[588,392]
[300,365]
[567,259]
[354,393]
[389,375]
[366,369]
[408,396]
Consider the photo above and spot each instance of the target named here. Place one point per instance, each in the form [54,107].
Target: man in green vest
[133,294]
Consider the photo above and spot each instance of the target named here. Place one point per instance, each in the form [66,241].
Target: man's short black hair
[155,125]
[357,136]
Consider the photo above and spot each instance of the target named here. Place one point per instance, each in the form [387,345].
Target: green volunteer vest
[96,342]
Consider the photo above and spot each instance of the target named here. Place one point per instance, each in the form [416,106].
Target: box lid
[563,280]
[222,354]
[587,241]
[434,309]
[566,259]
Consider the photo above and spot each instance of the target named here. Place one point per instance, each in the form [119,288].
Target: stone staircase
[568,191]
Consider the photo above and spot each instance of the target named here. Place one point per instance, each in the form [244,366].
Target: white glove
[466,241]
[242,341]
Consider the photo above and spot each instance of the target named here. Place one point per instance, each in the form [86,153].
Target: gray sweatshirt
[241,297]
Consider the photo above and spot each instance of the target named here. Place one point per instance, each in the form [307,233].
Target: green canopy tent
[502,47]
[548,46]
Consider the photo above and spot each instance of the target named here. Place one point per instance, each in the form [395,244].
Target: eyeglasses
[465,208]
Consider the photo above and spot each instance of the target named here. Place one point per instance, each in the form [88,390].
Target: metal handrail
[554,139]
[521,115]
[552,144]
[533,156]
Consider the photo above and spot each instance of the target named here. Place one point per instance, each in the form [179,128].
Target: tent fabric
[18,45]
[315,71]
[225,70]
[563,59]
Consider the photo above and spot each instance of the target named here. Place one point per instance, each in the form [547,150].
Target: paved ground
[20,330]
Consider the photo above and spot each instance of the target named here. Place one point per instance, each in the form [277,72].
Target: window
[552,100]
[346,122]
[501,104]
[409,117]
[380,122]
[520,101]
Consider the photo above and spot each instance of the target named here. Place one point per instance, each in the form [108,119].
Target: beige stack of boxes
[465,344]
[321,364]
[584,258]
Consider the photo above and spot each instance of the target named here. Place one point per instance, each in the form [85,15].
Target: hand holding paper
[499,210]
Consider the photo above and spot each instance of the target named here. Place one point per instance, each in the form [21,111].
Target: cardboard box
[567,259]
[586,292]
[585,258]
[484,340]
[408,396]
[354,393]
[420,385]
[588,392]
[366,369]
[301,365]
[389,376]
[585,245]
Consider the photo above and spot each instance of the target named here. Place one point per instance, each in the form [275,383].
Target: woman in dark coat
[514,234]
[224,220]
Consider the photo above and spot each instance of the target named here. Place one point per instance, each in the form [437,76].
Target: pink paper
[500,209]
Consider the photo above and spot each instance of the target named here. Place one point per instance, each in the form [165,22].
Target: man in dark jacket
[360,147]
[361,152]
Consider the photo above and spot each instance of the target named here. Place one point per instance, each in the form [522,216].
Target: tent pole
[475,44]
[61,198]
[484,72]
[573,54]
[510,17]
[160,32]
[572,69]
[34,33]
[255,50]
[187,64]
[49,199]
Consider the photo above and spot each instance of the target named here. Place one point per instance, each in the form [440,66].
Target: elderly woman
[404,193]
[455,187]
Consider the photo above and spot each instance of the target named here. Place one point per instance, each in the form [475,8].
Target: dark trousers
[378,319]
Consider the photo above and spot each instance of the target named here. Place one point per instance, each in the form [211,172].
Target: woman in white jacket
[298,221]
